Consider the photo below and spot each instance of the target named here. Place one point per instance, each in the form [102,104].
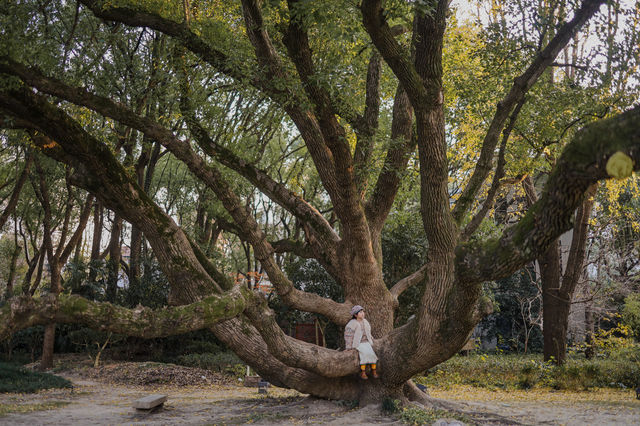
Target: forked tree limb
[408,282]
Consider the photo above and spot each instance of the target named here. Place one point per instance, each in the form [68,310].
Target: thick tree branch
[21,312]
[296,353]
[395,56]
[367,125]
[395,162]
[243,338]
[296,247]
[520,87]
[583,163]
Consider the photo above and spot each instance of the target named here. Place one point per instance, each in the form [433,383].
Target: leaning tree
[295,54]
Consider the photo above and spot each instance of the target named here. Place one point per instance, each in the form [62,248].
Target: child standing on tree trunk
[357,335]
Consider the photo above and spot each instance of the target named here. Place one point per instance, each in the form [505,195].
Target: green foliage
[25,345]
[631,314]
[17,379]
[390,405]
[620,369]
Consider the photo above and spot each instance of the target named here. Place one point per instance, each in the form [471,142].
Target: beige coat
[354,332]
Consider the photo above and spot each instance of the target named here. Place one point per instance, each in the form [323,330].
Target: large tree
[306,59]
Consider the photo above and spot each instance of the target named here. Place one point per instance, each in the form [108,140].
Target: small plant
[390,405]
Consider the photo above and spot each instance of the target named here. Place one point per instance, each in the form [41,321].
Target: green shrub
[621,368]
[631,314]
[17,379]
[390,405]
[575,377]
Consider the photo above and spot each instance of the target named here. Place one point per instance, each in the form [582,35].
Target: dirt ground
[100,397]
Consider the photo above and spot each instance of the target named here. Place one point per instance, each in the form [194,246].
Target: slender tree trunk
[113,264]
[558,288]
[38,279]
[134,257]
[588,331]
[33,264]
[98,218]
[553,328]
[12,271]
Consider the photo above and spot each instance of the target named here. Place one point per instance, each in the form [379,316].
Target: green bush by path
[17,379]
[620,370]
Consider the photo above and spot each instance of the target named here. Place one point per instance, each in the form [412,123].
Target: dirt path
[594,407]
[95,402]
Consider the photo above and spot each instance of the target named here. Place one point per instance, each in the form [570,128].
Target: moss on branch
[23,311]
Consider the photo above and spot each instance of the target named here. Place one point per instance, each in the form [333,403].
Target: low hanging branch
[21,312]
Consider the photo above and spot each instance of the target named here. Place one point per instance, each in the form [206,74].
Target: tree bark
[113,263]
[98,218]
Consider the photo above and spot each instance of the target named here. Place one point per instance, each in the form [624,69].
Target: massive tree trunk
[348,248]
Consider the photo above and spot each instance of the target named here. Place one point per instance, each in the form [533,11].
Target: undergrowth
[620,369]
[16,379]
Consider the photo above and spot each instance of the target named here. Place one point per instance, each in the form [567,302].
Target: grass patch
[16,379]
[29,408]
[418,416]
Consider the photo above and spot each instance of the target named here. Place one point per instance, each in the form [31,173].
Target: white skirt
[367,355]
